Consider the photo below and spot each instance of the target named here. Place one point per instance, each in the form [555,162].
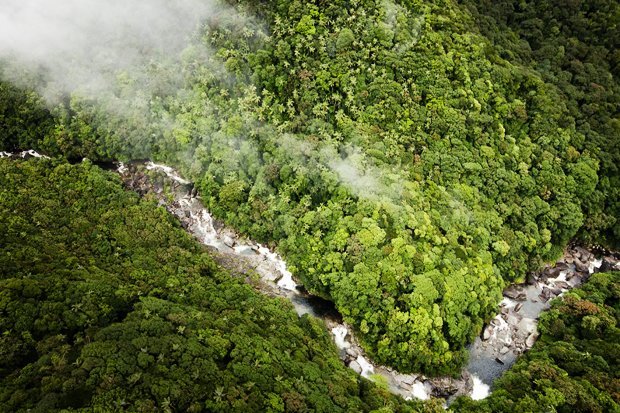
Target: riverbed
[509,334]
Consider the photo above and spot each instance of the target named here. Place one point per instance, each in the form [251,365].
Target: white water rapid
[510,333]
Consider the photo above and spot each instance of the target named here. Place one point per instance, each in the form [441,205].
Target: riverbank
[261,267]
[508,335]
[267,272]
[514,330]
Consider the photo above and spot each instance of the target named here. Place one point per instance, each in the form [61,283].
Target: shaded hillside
[406,165]
[106,304]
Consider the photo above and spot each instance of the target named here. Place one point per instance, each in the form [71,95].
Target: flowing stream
[509,334]
[514,329]
[242,256]
[24,155]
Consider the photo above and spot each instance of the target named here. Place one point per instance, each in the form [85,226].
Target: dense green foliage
[405,161]
[574,46]
[574,366]
[106,304]
[24,121]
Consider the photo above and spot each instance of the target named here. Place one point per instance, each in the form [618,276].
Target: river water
[240,255]
[509,334]
[514,329]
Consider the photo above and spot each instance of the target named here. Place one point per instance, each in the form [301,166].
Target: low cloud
[84,44]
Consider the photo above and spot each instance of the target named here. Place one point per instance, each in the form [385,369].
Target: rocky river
[514,329]
[509,334]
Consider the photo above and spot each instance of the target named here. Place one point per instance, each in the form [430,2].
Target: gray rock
[531,339]
[487,333]
[445,386]
[268,271]
[527,325]
[575,281]
[512,318]
[405,386]
[228,241]
[609,264]
[352,352]
[520,336]
[355,366]
[515,292]
[582,275]
[504,337]
[466,384]
[408,380]
[504,350]
[582,253]
[518,307]
[582,266]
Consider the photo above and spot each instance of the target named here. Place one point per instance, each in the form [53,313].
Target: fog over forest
[442,175]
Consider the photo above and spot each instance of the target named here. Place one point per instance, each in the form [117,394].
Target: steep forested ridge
[573,46]
[404,163]
[106,304]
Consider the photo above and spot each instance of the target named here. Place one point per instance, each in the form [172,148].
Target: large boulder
[487,333]
[528,325]
[405,386]
[582,266]
[556,291]
[515,292]
[505,337]
[512,318]
[554,272]
[582,253]
[352,352]
[408,379]
[448,386]
[355,366]
[545,295]
[531,339]
[228,241]
[610,264]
